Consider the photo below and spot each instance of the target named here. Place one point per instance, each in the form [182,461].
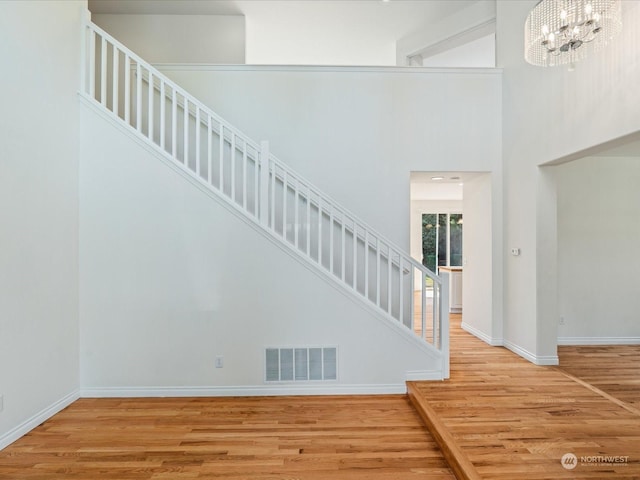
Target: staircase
[255,184]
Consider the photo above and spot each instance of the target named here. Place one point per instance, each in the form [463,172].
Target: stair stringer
[374,356]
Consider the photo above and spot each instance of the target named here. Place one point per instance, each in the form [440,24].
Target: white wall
[170,279]
[549,113]
[357,133]
[179,38]
[473,21]
[598,238]
[477,53]
[345,32]
[39,51]
[295,33]
[479,273]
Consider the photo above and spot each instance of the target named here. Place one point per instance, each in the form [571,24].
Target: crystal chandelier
[559,32]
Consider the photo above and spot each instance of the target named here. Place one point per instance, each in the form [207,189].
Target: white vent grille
[299,364]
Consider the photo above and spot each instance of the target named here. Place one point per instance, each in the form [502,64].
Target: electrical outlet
[1,402]
[219,361]
[561,321]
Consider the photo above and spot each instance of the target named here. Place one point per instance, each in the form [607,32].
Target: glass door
[441,240]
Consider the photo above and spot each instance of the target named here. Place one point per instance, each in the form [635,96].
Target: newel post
[264,183]
[444,323]
[85,20]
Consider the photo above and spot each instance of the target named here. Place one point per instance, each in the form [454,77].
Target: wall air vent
[297,364]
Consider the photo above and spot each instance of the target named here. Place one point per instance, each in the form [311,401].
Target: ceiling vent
[301,364]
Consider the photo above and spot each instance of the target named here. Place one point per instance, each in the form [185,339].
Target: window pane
[429,238]
[442,239]
[455,240]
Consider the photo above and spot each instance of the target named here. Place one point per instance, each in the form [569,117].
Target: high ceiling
[395,18]
[428,8]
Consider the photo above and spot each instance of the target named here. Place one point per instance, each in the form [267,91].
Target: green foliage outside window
[435,248]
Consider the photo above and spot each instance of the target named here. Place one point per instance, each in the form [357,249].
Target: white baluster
[150,106]
[197,145]
[435,307]
[244,176]
[221,166]
[355,255]
[256,189]
[401,293]
[343,254]
[209,149]
[116,65]
[320,242]
[285,191]
[366,264]
[331,228]
[185,153]
[423,300]
[389,268]
[296,214]
[103,72]
[308,221]
[138,97]
[378,282]
[233,166]
[273,167]
[127,89]
[412,283]
[163,100]
[262,194]
[92,64]
[174,123]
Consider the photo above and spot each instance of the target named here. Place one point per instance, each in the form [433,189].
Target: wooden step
[458,461]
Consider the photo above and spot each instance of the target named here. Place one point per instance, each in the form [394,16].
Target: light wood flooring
[613,369]
[363,437]
[513,420]
[498,417]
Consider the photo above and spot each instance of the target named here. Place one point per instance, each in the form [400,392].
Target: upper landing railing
[244,174]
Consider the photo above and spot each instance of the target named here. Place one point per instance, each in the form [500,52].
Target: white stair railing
[256,183]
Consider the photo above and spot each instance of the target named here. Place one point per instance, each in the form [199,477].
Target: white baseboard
[31,423]
[536,359]
[494,342]
[242,391]
[598,340]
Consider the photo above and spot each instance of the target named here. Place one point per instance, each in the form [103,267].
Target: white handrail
[261,186]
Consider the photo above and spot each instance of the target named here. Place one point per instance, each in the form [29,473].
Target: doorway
[451,228]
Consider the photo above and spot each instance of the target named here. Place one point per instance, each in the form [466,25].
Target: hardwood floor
[514,420]
[498,417]
[614,369]
[364,437]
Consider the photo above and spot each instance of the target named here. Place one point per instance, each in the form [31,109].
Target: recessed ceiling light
[461,184]
[437,178]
